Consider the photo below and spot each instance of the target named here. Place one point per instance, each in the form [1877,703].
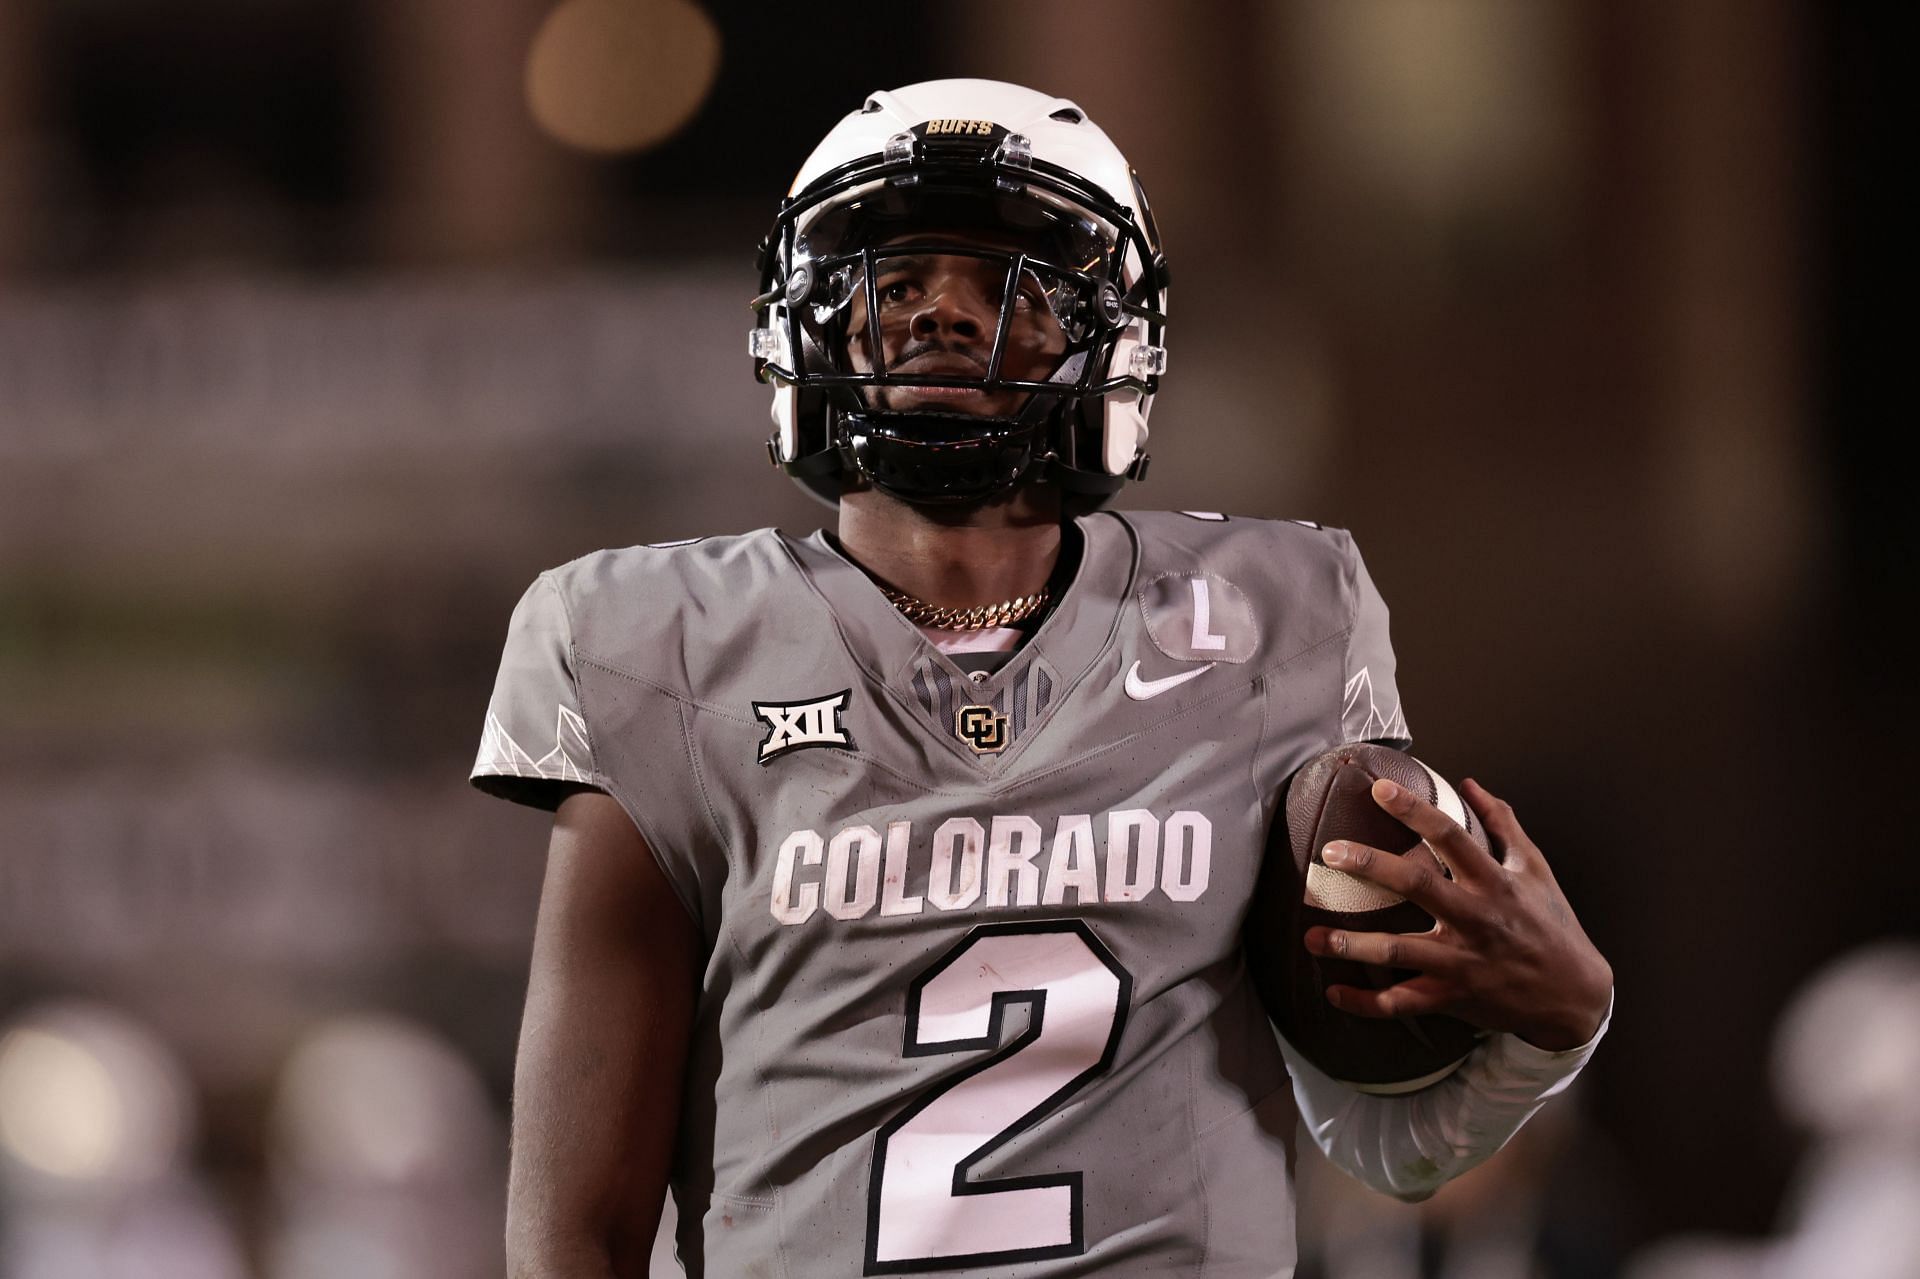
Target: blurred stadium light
[621,75]
[89,1099]
[97,1126]
[389,1161]
[377,1102]
[1846,1053]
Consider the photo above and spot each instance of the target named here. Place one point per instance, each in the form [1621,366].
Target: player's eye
[1030,296]
[897,291]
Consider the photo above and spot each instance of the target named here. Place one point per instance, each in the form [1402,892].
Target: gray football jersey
[973,1000]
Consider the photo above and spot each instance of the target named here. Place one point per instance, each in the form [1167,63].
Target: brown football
[1330,797]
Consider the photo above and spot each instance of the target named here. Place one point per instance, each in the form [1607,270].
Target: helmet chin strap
[939,457]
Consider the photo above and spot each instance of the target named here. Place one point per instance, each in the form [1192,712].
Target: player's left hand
[1505,952]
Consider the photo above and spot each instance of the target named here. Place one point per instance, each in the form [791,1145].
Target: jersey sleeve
[1370,698]
[534,747]
[1408,1146]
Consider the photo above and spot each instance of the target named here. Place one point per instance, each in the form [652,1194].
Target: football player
[892,906]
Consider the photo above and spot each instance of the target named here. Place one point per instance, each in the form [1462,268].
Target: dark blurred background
[326,324]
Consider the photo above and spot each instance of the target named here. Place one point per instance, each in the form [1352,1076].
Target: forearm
[590,1154]
[556,1259]
[603,1047]
[1409,1146]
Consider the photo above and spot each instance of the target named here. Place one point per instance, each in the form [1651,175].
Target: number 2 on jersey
[924,1212]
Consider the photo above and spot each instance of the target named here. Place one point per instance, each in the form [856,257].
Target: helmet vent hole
[1068,115]
[872,106]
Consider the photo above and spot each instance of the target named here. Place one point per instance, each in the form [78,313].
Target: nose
[954,308]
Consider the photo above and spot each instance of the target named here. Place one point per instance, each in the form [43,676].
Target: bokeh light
[58,1109]
[372,1100]
[621,75]
[1847,1051]
[88,1097]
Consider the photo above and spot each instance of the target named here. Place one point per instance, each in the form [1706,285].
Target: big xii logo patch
[793,726]
[982,728]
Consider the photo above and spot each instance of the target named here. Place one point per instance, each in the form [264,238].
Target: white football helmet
[1002,166]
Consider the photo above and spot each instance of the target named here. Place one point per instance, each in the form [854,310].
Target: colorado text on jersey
[996,864]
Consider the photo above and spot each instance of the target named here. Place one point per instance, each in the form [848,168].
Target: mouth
[940,364]
[952,399]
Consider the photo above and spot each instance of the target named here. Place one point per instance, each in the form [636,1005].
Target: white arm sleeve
[1410,1145]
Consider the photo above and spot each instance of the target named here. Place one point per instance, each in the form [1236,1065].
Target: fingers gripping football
[1424,951]
[1506,952]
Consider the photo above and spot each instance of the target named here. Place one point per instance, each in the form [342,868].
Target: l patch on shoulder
[1195,616]
[793,726]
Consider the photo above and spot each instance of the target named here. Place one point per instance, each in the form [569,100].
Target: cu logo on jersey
[982,728]
[793,726]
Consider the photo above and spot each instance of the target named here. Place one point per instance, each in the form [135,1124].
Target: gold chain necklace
[980,617]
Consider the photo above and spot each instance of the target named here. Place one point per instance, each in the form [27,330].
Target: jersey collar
[888,646]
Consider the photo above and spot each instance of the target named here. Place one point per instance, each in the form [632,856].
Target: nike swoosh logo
[1142,689]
